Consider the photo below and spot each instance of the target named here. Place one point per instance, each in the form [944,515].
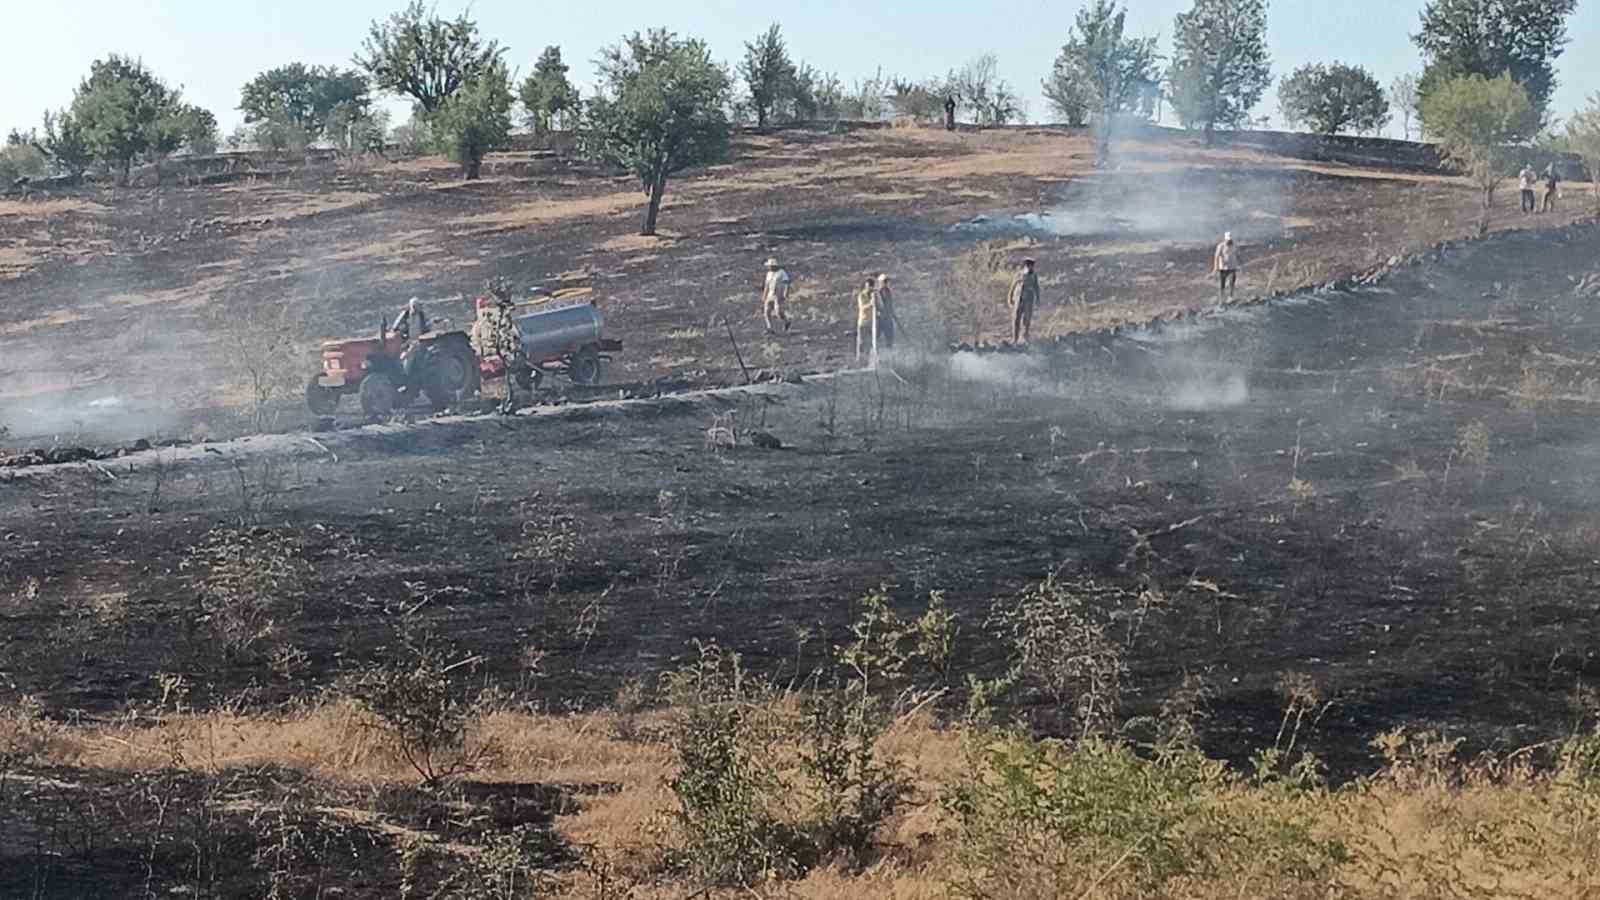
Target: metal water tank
[560,331]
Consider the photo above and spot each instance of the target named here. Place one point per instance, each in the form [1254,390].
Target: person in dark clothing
[950,112]
[1552,185]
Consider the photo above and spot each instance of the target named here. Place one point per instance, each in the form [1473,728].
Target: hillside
[110,299]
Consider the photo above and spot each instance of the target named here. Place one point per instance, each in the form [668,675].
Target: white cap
[1227,236]
[772,262]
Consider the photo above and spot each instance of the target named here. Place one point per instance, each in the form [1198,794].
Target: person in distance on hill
[949,112]
[506,340]
[774,293]
[1225,264]
[1552,184]
[1023,297]
[866,303]
[1528,180]
[888,322]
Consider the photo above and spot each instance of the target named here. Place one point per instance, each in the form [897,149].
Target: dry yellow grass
[1419,830]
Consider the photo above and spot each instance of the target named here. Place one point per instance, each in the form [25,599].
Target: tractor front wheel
[585,367]
[379,396]
[320,400]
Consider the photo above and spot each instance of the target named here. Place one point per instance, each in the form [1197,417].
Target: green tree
[20,158]
[421,56]
[1488,37]
[1583,138]
[547,93]
[1404,96]
[1101,70]
[1333,98]
[306,96]
[182,127]
[1220,66]
[978,87]
[768,73]
[661,109]
[66,145]
[121,108]
[1476,121]
[476,119]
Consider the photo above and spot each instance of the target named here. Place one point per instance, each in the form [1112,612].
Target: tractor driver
[413,314]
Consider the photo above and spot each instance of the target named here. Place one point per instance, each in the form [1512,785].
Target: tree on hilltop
[662,108]
[307,97]
[1333,98]
[547,93]
[768,73]
[1101,71]
[1220,65]
[475,119]
[422,56]
[1490,37]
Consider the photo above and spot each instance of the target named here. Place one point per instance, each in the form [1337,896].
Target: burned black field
[1385,496]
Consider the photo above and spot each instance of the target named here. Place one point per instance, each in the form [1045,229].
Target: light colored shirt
[777,286]
[1529,179]
[1227,257]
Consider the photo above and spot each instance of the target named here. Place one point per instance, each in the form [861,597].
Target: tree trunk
[472,165]
[761,118]
[1483,216]
[1211,130]
[127,171]
[657,188]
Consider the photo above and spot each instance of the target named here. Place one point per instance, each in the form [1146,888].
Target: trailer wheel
[379,395]
[320,400]
[585,367]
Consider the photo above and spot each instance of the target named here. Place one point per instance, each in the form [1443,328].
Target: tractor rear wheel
[585,367]
[379,395]
[449,373]
[320,400]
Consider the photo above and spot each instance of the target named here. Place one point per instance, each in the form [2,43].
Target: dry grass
[1426,826]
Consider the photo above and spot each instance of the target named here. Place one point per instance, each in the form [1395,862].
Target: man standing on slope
[1528,181]
[774,293]
[1024,296]
[1225,263]
[888,322]
[1552,183]
[866,317]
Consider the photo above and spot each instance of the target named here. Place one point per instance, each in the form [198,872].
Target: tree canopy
[661,109]
[547,93]
[306,96]
[475,119]
[1220,65]
[1477,122]
[1101,72]
[768,73]
[978,87]
[422,56]
[1404,97]
[1583,138]
[123,111]
[1333,98]
[1489,37]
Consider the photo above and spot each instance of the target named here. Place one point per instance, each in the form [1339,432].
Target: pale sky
[212,48]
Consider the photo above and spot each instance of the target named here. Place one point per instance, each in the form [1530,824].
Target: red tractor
[390,372]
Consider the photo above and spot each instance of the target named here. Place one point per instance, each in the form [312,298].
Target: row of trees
[1220,66]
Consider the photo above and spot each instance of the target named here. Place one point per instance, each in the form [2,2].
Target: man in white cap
[412,321]
[1225,263]
[774,293]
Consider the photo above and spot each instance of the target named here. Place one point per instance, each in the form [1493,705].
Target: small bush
[766,791]
[1046,819]
[250,582]
[1063,648]
[415,696]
